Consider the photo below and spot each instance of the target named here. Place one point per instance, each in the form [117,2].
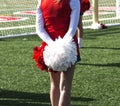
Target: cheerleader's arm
[74,18]
[40,30]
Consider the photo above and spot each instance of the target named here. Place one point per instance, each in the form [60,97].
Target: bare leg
[54,88]
[65,87]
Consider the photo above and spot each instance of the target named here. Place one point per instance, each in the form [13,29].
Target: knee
[55,85]
[65,89]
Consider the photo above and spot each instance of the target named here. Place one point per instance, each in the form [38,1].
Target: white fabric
[40,30]
[61,54]
[80,42]
[74,18]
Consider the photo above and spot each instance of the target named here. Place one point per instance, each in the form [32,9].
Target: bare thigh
[55,78]
[66,78]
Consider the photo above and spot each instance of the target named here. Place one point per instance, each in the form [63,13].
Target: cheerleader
[85,5]
[56,25]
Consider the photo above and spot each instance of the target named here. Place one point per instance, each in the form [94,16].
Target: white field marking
[17,27]
[18,35]
[100,13]
[109,25]
[26,13]
[31,34]
[105,8]
[14,9]
[103,19]
[30,26]
[85,14]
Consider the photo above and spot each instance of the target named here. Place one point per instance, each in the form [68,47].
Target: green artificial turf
[96,81]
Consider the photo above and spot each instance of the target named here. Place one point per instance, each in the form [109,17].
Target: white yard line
[114,18]
[17,27]
[30,26]
[18,35]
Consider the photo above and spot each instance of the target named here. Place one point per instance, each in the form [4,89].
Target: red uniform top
[57,18]
[56,22]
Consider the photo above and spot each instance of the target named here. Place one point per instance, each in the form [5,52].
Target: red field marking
[105,8]
[10,18]
[100,13]
[26,12]
[110,8]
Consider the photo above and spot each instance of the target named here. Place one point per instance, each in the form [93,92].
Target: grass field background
[11,7]
[96,80]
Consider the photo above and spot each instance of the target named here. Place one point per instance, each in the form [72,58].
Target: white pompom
[61,54]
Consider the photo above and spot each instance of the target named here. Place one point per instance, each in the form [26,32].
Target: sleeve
[74,18]
[40,30]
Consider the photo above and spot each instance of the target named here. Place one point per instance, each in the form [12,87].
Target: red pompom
[39,59]
[38,56]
